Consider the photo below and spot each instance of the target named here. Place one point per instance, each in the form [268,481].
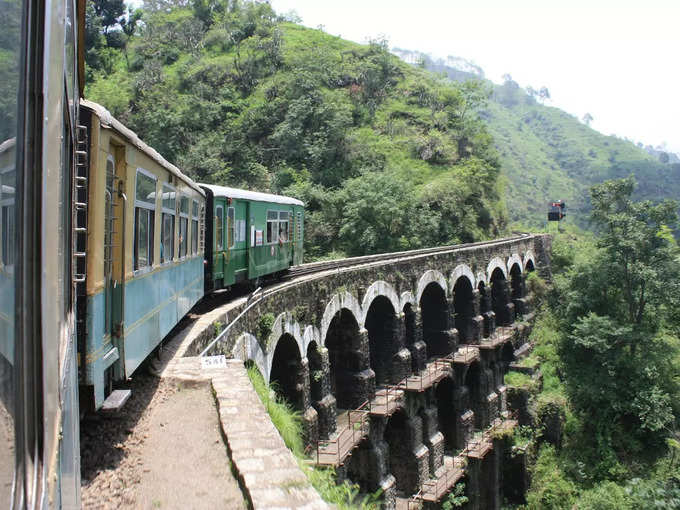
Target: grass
[344,496]
[285,419]
[518,380]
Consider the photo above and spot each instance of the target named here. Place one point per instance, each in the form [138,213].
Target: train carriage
[250,235]
[144,252]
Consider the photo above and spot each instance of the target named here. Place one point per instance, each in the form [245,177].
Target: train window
[219,227]
[272,226]
[7,178]
[145,188]
[145,213]
[168,224]
[230,227]
[183,226]
[283,226]
[194,227]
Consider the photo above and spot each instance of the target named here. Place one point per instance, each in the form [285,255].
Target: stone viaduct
[419,344]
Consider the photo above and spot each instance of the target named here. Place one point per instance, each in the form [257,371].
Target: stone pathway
[268,470]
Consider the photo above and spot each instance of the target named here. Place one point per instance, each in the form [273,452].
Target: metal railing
[435,489]
[333,451]
[388,399]
[466,354]
[433,372]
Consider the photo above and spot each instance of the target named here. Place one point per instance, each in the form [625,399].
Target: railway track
[318,267]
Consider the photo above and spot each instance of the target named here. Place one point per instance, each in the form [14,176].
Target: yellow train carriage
[144,253]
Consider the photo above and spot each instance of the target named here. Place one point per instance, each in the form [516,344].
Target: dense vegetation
[547,154]
[385,155]
[608,343]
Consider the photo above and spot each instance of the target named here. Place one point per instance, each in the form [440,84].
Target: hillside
[548,154]
[386,155]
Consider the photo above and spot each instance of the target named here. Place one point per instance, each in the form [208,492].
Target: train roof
[108,121]
[223,191]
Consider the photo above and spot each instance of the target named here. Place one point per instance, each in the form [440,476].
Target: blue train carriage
[250,235]
[145,253]
[7,192]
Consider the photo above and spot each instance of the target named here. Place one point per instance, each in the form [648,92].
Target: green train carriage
[249,235]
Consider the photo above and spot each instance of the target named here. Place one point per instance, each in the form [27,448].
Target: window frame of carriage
[149,205]
[231,227]
[172,212]
[8,219]
[184,214]
[276,222]
[219,227]
[195,220]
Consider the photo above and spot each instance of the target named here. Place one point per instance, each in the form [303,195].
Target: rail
[333,451]
[433,372]
[434,490]
[314,267]
[320,267]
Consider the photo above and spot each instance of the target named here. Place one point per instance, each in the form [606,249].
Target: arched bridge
[395,364]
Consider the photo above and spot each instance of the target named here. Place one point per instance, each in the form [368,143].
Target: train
[104,247]
[156,243]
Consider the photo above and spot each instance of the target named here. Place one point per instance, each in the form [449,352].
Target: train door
[115,202]
[229,245]
[218,236]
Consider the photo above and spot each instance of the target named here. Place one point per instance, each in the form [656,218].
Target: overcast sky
[615,59]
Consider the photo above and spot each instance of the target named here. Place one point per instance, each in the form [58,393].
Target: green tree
[616,307]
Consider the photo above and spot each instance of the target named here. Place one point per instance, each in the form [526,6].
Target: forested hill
[386,156]
[548,154]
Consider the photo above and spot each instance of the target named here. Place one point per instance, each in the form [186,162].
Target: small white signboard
[213,361]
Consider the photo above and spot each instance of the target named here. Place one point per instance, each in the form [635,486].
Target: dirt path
[185,459]
[163,451]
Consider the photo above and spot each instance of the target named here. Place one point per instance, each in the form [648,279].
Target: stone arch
[529,257]
[500,299]
[381,323]
[434,309]
[516,282]
[310,335]
[495,262]
[462,289]
[530,266]
[515,259]
[286,372]
[462,270]
[407,298]
[380,288]
[247,348]
[338,302]
[352,380]
[285,323]
[428,277]
[481,278]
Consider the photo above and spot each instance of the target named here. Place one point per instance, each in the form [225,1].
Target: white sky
[616,59]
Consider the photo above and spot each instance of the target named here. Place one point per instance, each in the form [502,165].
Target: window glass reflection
[10,16]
